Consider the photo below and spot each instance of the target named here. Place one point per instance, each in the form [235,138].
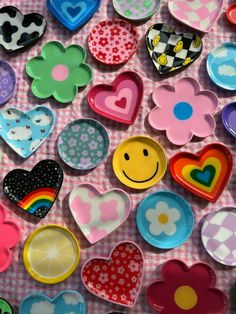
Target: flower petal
[5,258]
[163,94]
[52,50]
[218,301]
[205,102]
[179,134]
[65,92]
[41,88]
[75,55]
[174,214]
[189,85]
[158,295]
[205,275]
[160,119]
[175,271]
[36,67]
[81,76]
[203,126]
[11,229]
[151,214]
[156,228]
[169,228]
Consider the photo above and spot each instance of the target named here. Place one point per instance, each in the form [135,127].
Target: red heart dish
[118,278]
[119,101]
[205,173]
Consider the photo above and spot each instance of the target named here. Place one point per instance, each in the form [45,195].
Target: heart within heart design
[204,174]
[34,191]
[25,132]
[198,14]
[205,177]
[123,269]
[170,51]
[119,101]
[96,214]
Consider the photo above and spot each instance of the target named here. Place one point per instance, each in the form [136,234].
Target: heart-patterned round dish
[98,214]
[18,30]
[73,14]
[113,41]
[34,191]
[119,101]
[199,14]
[25,132]
[7,82]
[124,268]
[65,302]
[170,51]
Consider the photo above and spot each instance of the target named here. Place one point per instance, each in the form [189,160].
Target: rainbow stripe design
[39,198]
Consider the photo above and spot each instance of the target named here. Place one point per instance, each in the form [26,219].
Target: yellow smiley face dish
[139,162]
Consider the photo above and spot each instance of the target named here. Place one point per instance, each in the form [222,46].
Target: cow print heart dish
[18,31]
[34,191]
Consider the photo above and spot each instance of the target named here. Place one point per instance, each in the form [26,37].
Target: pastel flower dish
[185,290]
[59,71]
[123,269]
[98,214]
[9,237]
[73,14]
[25,132]
[65,302]
[165,220]
[5,307]
[183,111]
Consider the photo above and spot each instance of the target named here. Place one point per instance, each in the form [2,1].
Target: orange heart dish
[205,173]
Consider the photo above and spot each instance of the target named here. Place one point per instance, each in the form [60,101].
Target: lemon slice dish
[51,254]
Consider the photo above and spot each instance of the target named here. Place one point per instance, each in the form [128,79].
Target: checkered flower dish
[183,111]
[59,71]
[184,290]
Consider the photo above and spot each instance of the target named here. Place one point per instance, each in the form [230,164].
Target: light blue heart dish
[73,14]
[65,302]
[25,132]
[165,220]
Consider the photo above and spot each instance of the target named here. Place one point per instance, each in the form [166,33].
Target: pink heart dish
[198,14]
[119,101]
[118,278]
[9,237]
[98,214]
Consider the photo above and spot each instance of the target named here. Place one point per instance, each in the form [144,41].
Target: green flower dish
[59,71]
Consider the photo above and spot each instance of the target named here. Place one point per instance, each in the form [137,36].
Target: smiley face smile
[142,181]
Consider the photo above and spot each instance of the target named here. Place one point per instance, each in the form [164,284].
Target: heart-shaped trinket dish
[34,191]
[73,14]
[124,269]
[19,31]
[205,173]
[199,14]
[119,101]
[98,214]
[170,51]
[25,132]
[67,301]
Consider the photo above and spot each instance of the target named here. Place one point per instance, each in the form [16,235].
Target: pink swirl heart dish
[119,101]
[9,237]
[98,214]
[199,14]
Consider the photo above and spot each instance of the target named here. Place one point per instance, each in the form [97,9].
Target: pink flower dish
[9,237]
[183,111]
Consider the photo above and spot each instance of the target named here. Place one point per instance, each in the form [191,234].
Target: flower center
[60,72]
[185,297]
[163,219]
[183,110]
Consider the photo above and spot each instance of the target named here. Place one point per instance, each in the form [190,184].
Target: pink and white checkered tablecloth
[15,283]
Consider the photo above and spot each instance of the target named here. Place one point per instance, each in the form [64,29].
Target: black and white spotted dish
[34,191]
[18,31]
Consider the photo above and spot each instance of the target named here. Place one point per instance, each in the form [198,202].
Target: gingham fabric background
[15,283]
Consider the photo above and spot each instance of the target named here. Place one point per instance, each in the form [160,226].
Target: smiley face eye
[126,156]
[145,152]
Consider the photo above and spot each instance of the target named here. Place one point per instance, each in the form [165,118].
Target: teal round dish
[165,220]
[83,144]
[221,65]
